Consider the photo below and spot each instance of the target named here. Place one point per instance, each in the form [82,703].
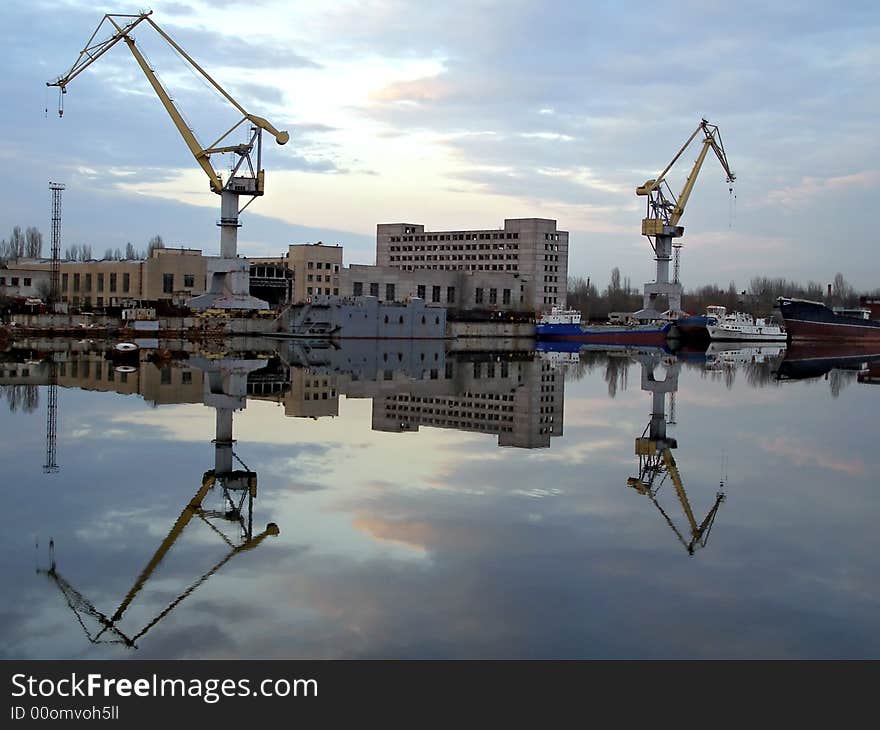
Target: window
[112,282]
[326,278]
[88,282]
[358,289]
[76,282]
[166,375]
[64,282]
[389,292]
[450,294]
[505,296]
[167,283]
[374,289]
[14,281]
[126,281]
[309,291]
[2,281]
[309,277]
[189,280]
[435,294]
[27,281]
[420,291]
[493,296]
[311,265]
[335,291]
[100,282]
[478,295]
[100,301]
[186,377]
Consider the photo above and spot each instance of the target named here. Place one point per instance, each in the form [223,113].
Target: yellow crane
[664,211]
[227,284]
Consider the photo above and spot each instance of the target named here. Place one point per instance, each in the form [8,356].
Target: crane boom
[669,212]
[124,25]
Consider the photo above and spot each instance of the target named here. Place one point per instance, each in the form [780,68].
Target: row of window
[493,296]
[458,267]
[459,257]
[14,281]
[317,290]
[458,400]
[458,237]
[390,292]
[317,277]
[79,279]
[322,265]
[474,247]
[551,237]
[168,282]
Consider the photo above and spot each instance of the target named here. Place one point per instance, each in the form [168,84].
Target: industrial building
[529,249]
[171,274]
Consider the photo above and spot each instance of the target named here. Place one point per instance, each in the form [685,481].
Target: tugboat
[565,325]
[813,321]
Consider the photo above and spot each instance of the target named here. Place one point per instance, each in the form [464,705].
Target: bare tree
[33,243]
[155,242]
[16,243]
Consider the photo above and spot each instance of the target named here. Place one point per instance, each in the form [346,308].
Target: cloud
[811,188]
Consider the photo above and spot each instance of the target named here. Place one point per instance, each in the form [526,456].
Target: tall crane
[664,211]
[228,276]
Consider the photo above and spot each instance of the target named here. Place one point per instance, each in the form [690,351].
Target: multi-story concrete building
[315,269]
[170,274]
[532,249]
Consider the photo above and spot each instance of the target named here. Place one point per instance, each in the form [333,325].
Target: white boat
[741,327]
[558,315]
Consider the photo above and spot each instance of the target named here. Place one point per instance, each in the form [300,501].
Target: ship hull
[811,321]
[606,335]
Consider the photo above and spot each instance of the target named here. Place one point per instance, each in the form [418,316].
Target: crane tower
[664,210]
[228,276]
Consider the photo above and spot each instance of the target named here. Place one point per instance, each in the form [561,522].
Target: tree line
[757,299]
[28,244]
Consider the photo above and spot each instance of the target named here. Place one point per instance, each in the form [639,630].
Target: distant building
[21,280]
[530,249]
[170,274]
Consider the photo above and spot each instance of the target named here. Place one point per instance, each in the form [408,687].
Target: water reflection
[551,516]
[654,448]
[224,388]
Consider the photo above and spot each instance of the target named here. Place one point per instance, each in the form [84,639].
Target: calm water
[438,505]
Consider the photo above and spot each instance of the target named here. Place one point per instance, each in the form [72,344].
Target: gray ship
[365,317]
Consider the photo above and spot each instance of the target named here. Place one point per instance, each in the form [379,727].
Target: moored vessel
[566,326]
[813,321]
[741,327]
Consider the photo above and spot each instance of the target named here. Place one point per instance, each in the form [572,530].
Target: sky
[461,114]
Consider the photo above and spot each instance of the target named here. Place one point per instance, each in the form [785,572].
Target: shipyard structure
[520,267]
